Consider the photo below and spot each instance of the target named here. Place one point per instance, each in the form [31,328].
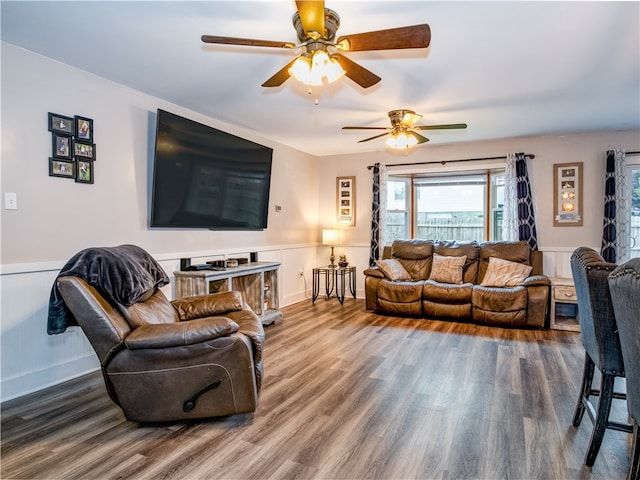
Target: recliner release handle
[190,403]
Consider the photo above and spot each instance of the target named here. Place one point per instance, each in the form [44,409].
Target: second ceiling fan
[316,28]
[403,130]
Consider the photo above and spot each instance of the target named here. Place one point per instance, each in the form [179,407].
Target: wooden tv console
[256,281]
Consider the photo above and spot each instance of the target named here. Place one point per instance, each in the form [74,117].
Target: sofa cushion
[494,299]
[503,273]
[447,269]
[454,248]
[393,269]
[401,298]
[415,256]
[155,309]
[458,311]
[401,292]
[513,251]
[447,292]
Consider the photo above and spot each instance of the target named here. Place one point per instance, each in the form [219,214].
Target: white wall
[556,242]
[57,217]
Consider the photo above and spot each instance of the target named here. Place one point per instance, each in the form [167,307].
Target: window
[466,206]
[398,209]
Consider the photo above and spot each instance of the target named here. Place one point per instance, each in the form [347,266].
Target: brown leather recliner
[189,358]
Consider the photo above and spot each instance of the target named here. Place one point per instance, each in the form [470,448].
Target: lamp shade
[329,236]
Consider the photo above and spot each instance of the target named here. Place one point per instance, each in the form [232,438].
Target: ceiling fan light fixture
[402,141]
[311,69]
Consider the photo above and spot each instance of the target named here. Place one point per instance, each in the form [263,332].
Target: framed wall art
[61,124]
[84,150]
[61,168]
[61,146]
[346,201]
[84,129]
[84,171]
[567,194]
[73,151]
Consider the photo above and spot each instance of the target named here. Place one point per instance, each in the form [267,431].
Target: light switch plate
[10,201]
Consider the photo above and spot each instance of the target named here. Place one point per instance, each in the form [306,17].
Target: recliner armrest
[536,280]
[166,335]
[374,272]
[208,305]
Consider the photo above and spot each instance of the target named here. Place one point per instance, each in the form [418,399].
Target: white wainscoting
[32,360]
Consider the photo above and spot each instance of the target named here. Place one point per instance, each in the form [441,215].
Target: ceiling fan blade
[357,73]
[373,138]
[366,128]
[246,41]
[312,17]
[280,76]
[415,36]
[450,126]
[409,119]
[419,137]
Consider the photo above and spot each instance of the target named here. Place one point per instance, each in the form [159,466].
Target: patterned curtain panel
[616,228]
[526,219]
[510,205]
[375,217]
[378,212]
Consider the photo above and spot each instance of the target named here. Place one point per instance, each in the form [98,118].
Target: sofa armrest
[536,280]
[208,305]
[167,335]
[374,272]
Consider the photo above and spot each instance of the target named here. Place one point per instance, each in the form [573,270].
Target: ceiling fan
[316,28]
[403,129]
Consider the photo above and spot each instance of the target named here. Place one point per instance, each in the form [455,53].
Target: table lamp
[330,237]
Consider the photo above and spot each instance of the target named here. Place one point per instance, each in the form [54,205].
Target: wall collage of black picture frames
[73,152]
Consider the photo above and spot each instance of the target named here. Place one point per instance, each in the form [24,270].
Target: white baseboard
[24,384]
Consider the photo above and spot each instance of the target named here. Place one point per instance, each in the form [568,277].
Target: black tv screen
[206,178]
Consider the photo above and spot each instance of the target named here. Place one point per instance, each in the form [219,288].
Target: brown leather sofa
[474,297]
[189,358]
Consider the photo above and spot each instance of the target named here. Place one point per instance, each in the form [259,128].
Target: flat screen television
[206,178]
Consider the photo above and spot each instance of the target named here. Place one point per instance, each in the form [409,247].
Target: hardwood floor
[347,394]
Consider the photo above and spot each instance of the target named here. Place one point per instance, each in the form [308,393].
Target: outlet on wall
[301,272]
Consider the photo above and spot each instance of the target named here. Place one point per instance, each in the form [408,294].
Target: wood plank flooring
[347,394]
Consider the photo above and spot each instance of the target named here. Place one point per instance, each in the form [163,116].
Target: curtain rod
[632,153]
[444,162]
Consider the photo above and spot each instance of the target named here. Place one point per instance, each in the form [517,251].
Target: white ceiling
[505,68]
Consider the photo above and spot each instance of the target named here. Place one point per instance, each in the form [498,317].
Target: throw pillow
[503,273]
[445,269]
[393,269]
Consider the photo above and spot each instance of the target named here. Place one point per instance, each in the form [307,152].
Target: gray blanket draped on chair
[123,274]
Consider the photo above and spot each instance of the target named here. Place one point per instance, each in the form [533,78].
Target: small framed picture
[567,192]
[61,146]
[84,150]
[61,168]
[346,200]
[61,124]
[84,171]
[84,129]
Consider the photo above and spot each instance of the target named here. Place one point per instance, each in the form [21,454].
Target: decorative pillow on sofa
[503,273]
[393,269]
[446,269]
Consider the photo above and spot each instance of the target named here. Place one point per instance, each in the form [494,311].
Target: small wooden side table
[564,305]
